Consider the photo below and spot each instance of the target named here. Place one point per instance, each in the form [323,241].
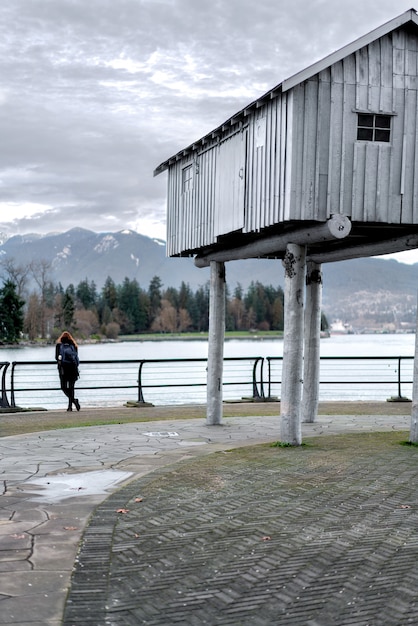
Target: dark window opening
[373,127]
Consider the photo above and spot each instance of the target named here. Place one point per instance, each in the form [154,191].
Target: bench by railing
[183,381]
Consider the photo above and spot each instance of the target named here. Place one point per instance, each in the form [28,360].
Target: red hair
[68,338]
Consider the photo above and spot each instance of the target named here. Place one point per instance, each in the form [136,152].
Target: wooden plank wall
[269,147]
[367,181]
[296,157]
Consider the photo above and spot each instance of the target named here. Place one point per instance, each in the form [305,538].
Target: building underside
[358,239]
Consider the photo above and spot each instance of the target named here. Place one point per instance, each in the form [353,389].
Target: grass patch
[285,444]
[323,465]
[203,336]
[412,444]
[26,421]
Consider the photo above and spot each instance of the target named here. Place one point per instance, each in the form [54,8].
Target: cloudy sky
[94,94]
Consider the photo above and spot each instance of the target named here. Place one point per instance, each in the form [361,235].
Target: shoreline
[187,337]
[139,338]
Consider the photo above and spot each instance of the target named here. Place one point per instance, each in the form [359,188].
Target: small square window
[365,121]
[365,134]
[372,127]
[381,135]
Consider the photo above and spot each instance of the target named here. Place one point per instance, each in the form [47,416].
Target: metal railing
[183,381]
[357,377]
[159,381]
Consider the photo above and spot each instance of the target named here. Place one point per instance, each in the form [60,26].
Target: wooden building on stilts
[323,167]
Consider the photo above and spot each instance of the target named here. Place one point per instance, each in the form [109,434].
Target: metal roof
[409,16]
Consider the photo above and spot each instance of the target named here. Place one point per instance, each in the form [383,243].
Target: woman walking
[66,355]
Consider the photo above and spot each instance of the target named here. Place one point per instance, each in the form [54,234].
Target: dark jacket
[66,370]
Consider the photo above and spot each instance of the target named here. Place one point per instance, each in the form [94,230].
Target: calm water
[337,346]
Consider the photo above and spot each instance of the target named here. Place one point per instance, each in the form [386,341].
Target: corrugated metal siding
[230,184]
[268,151]
[239,183]
[205,196]
[297,156]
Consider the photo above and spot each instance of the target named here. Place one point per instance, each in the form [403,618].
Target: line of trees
[125,308]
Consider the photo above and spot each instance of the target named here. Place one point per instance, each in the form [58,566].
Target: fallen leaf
[266,538]
[405,506]
[138,499]
[18,536]
[70,528]
[136,536]
[122,510]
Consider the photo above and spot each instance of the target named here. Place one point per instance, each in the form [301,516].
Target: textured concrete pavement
[55,482]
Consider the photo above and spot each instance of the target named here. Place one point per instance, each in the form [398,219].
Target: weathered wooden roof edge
[408,16]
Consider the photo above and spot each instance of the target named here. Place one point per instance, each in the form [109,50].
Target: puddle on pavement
[62,486]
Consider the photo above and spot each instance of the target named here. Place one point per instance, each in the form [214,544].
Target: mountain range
[365,293]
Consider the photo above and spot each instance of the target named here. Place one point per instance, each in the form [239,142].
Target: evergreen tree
[256,303]
[86,294]
[144,307]
[108,301]
[68,307]
[187,302]
[11,313]
[154,294]
[200,315]
[132,306]
[238,292]
[172,295]
[50,291]
[229,317]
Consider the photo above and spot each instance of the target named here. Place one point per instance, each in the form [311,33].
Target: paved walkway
[226,545]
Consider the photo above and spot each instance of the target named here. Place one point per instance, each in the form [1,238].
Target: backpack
[69,354]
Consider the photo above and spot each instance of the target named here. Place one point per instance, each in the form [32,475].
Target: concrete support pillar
[311,353]
[216,343]
[413,434]
[290,405]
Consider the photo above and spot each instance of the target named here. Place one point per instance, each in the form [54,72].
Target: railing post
[4,403]
[399,397]
[140,393]
[12,385]
[269,376]
[399,378]
[257,395]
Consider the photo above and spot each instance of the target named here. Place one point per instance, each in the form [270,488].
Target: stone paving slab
[40,531]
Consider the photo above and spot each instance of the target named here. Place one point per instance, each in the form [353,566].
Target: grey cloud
[96,94]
